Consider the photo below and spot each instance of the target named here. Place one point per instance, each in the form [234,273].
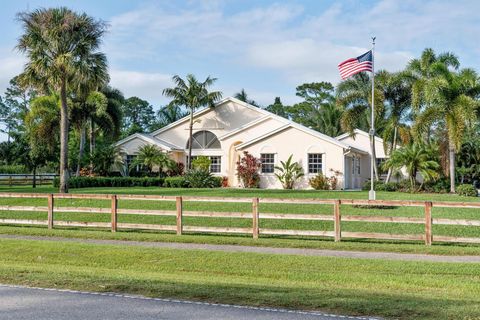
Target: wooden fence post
[179,202]
[50,211]
[255,226]
[114,212]
[337,219]
[428,223]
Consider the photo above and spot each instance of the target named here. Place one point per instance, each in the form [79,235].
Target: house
[223,133]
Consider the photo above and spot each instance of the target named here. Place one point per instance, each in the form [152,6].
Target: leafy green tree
[450,101]
[278,108]
[354,95]
[288,173]
[61,48]
[106,159]
[192,94]
[415,158]
[318,110]
[138,116]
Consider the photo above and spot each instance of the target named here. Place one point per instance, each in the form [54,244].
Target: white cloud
[148,86]
[11,64]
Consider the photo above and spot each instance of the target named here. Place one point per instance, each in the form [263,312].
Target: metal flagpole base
[372,195]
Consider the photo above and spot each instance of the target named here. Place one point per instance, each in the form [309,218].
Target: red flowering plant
[247,170]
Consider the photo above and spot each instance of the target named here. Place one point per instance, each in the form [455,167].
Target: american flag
[355,65]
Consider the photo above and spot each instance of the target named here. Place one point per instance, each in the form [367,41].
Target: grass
[457,213]
[391,289]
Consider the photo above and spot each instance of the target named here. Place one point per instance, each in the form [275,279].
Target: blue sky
[266,47]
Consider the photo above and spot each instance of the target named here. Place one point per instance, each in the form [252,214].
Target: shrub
[175,182]
[197,178]
[467,190]
[201,163]
[13,169]
[177,169]
[225,182]
[247,170]
[289,173]
[382,186]
[92,182]
[319,182]
[439,186]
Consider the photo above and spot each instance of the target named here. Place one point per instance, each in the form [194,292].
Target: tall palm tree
[61,47]
[450,101]
[397,91]
[421,71]
[355,96]
[192,94]
[94,106]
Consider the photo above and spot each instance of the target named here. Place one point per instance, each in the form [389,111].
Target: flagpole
[371,194]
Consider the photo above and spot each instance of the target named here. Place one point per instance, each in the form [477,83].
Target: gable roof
[150,139]
[203,111]
[301,128]
[244,127]
[360,132]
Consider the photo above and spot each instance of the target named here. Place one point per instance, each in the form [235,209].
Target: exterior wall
[132,146]
[231,155]
[362,142]
[298,143]
[222,119]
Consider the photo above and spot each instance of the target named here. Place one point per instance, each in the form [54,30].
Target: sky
[266,47]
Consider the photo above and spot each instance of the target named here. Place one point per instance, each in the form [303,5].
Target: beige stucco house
[223,133]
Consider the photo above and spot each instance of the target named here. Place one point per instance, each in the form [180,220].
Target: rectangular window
[216,164]
[315,163]
[268,162]
[128,161]
[358,166]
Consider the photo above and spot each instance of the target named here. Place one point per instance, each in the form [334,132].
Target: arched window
[204,140]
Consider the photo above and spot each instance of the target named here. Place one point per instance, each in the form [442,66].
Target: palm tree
[169,114]
[243,96]
[289,172]
[61,46]
[354,95]
[397,90]
[192,94]
[450,101]
[150,156]
[94,106]
[423,70]
[416,158]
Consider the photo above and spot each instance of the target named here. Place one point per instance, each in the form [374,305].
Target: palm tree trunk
[392,148]
[189,163]
[92,141]
[81,150]
[63,139]
[451,151]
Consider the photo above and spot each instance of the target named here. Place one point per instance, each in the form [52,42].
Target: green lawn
[396,290]
[457,213]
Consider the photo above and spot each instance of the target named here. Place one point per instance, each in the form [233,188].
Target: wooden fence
[256,215]
[26,179]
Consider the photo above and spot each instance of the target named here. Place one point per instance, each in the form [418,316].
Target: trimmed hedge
[382,186]
[175,182]
[91,182]
[467,190]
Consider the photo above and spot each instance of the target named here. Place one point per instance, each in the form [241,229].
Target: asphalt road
[21,303]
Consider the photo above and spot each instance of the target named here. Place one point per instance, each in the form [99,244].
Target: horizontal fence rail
[256,215]
[26,179]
